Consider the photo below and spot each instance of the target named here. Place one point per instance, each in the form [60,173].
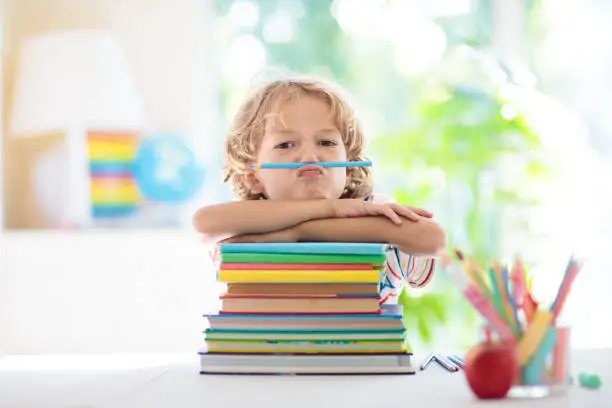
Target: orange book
[304,304]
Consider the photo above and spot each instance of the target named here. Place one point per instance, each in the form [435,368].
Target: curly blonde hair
[248,128]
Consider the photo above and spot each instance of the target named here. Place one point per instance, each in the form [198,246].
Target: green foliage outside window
[445,132]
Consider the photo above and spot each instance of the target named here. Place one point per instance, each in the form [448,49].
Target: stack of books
[304,308]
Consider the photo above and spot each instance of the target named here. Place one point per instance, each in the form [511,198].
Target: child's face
[303,131]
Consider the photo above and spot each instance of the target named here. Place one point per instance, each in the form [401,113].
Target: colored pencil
[457,361]
[482,305]
[446,364]
[511,310]
[473,272]
[559,360]
[427,361]
[297,165]
[496,292]
[519,285]
[571,271]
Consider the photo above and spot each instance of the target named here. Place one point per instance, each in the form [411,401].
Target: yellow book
[298,276]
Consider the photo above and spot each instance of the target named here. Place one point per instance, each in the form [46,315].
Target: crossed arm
[339,220]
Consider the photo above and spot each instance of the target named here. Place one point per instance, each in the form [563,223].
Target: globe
[166,169]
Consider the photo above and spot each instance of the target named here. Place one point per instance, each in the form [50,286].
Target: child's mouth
[310,171]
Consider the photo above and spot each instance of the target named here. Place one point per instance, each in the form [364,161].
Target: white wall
[169,44]
[104,292]
[112,291]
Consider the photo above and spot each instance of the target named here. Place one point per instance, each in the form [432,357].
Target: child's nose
[309,154]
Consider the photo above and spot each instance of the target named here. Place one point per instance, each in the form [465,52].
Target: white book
[323,364]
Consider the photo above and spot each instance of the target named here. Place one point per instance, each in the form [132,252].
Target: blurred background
[490,113]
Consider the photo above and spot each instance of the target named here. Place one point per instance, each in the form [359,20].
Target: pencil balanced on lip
[297,165]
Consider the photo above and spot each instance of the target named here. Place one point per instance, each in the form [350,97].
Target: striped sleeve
[401,268]
[215,256]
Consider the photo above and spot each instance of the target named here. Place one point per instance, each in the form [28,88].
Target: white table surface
[32,381]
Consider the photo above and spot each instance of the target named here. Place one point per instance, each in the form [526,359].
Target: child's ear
[251,181]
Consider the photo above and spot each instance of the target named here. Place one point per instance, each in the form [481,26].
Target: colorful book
[322,323]
[297,289]
[314,347]
[389,318]
[387,311]
[304,364]
[335,248]
[248,257]
[301,276]
[304,335]
[303,304]
[294,266]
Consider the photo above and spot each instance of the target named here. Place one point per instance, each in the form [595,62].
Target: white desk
[178,384]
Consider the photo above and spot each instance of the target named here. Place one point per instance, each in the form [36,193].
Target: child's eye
[328,143]
[284,145]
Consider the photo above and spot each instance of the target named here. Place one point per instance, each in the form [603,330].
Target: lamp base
[53,193]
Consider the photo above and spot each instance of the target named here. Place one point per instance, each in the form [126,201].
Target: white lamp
[74,81]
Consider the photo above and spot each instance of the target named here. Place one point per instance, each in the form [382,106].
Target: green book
[305,335]
[287,341]
[236,257]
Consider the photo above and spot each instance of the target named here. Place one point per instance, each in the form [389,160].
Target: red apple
[491,368]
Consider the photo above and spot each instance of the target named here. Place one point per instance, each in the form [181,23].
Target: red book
[293,266]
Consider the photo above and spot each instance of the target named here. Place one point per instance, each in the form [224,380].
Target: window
[472,93]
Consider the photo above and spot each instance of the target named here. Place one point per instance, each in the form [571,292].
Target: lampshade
[74,78]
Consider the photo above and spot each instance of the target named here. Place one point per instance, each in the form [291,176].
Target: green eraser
[589,380]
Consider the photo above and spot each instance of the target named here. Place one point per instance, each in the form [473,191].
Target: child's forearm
[221,221]
[422,238]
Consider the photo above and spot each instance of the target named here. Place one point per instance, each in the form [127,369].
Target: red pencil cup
[547,372]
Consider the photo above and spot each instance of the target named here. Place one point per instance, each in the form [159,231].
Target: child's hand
[285,235]
[343,208]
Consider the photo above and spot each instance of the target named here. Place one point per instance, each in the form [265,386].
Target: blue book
[354,248]
[387,311]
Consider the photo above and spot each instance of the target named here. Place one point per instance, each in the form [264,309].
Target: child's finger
[407,213]
[389,213]
[420,211]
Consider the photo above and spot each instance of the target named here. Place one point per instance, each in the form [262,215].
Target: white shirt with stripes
[401,268]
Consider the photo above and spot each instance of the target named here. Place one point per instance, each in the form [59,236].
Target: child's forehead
[303,111]
[286,102]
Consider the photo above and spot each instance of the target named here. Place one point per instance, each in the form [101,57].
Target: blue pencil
[447,365]
[297,165]
[457,360]
[516,322]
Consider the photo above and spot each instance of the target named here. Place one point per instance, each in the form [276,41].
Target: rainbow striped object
[113,189]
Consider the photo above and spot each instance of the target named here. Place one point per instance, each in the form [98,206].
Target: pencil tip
[459,254]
